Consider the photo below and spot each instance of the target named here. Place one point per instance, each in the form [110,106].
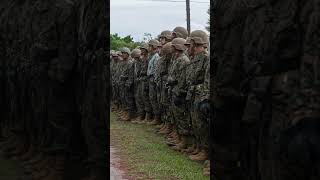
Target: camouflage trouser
[129,98]
[153,96]
[146,99]
[122,95]
[116,94]
[226,148]
[38,123]
[164,103]
[61,116]
[200,124]
[139,93]
[113,92]
[181,117]
[286,152]
[94,126]
[267,110]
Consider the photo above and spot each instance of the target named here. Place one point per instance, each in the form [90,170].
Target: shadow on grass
[10,170]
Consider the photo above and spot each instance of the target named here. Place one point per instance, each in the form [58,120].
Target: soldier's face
[197,48]
[125,56]
[143,52]
[152,49]
[177,52]
[163,41]
[116,58]
[174,35]
[189,49]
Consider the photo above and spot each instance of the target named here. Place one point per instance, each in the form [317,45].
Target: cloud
[133,17]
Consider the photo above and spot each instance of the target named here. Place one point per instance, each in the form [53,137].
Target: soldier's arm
[130,79]
[306,102]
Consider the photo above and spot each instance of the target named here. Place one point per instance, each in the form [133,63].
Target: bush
[116,42]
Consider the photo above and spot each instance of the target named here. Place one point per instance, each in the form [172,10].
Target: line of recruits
[166,83]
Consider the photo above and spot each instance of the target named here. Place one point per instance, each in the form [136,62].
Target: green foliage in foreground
[148,154]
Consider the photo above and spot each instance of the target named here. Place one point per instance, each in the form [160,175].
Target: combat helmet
[178,43]
[166,34]
[112,52]
[136,53]
[188,41]
[145,47]
[200,37]
[180,32]
[154,43]
[166,49]
[119,53]
[125,50]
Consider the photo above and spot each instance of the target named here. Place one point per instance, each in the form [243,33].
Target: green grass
[148,155]
[9,170]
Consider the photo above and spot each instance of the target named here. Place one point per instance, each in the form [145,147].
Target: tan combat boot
[182,144]
[163,128]
[35,159]
[168,129]
[190,149]
[145,120]
[206,169]
[17,151]
[124,115]
[119,112]
[201,156]
[58,171]
[42,169]
[136,120]
[160,126]
[31,152]
[156,120]
[150,121]
[128,116]
[174,140]
[196,150]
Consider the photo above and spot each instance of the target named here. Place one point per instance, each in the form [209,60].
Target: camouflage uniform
[161,77]
[152,85]
[145,84]
[227,93]
[127,77]
[122,65]
[115,83]
[113,64]
[94,85]
[138,86]
[205,110]
[196,74]
[177,81]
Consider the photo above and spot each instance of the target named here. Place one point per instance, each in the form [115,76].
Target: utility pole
[188,15]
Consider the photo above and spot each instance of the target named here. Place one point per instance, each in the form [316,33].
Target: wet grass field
[10,170]
[147,156]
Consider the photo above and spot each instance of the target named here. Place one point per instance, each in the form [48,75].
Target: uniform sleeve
[130,79]
[307,100]
[67,52]
[206,84]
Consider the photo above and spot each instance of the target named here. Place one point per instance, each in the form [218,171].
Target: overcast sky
[136,17]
